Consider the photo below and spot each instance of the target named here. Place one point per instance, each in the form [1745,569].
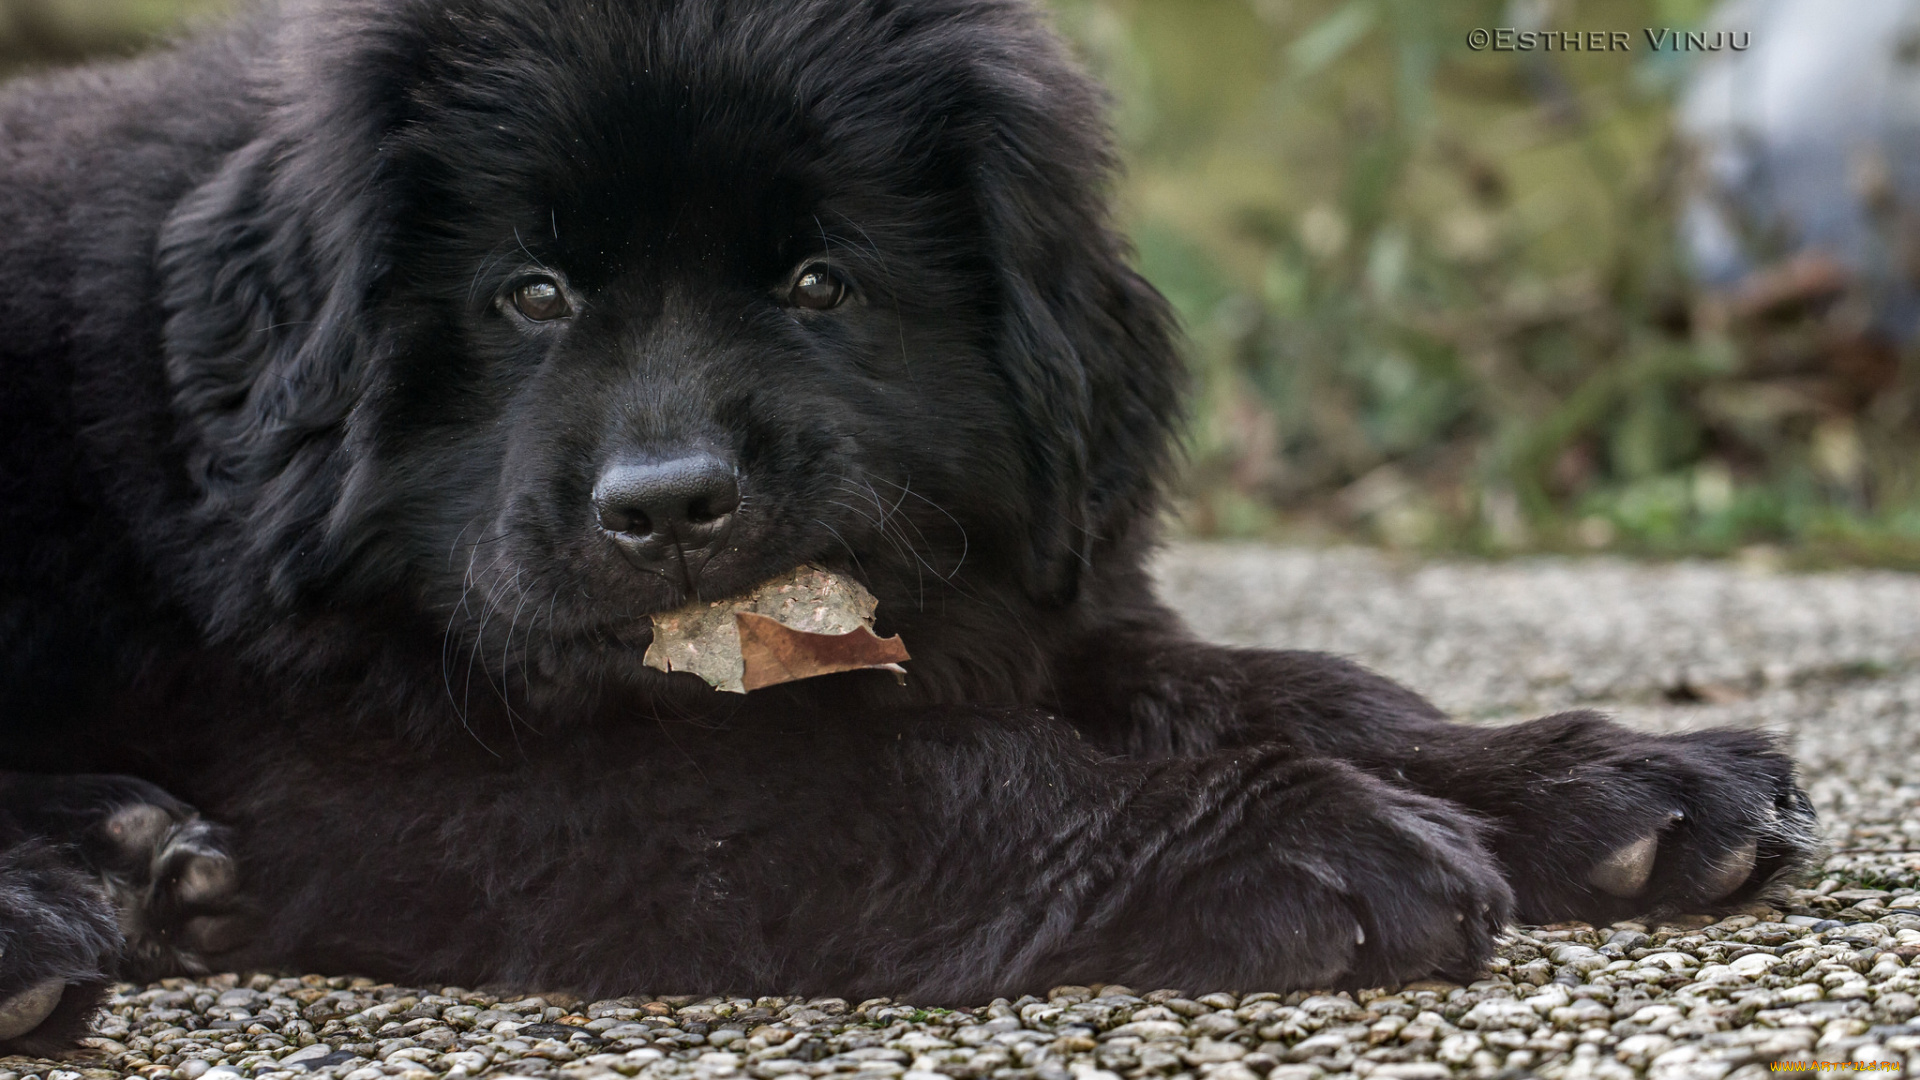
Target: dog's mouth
[801,624]
[632,627]
[582,613]
[685,632]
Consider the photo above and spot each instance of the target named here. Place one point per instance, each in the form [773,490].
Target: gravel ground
[1832,660]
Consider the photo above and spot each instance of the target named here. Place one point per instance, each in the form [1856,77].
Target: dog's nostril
[723,500]
[614,519]
[682,499]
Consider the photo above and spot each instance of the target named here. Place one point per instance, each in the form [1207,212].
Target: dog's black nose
[655,509]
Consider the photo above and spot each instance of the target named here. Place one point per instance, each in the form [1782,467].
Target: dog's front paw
[1602,823]
[1424,892]
[174,887]
[1318,875]
[164,871]
[58,941]
[111,877]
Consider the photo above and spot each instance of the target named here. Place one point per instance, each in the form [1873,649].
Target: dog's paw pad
[25,1010]
[206,879]
[216,933]
[1626,871]
[200,877]
[138,829]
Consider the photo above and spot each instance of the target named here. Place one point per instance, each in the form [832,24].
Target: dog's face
[688,341]
[660,300]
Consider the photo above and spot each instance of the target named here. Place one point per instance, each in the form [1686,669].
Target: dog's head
[554,313]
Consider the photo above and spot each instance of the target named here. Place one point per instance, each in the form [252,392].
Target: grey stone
[1412,1070]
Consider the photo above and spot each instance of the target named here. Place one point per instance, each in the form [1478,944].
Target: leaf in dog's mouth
[809,623]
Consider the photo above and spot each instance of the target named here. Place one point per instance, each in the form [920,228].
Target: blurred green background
[1434,296]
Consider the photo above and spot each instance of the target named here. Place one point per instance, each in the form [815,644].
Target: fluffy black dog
[373,370]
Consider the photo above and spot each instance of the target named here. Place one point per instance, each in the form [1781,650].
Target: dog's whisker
[952,577]
[493,258]
[506,647]
[880,530]
[851,554]
[476,655]
[920,566]
[889,523]
[448,649]
[526,647]
[906,489]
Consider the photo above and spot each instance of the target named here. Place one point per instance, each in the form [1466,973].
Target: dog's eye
[541,300]
[819,288]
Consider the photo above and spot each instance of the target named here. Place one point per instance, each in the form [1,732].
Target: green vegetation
[36,33]
[1433,295]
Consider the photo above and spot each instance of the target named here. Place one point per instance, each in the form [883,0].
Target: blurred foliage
[1433,295]
[39,33]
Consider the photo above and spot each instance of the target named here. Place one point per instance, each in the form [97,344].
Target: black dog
[374,369]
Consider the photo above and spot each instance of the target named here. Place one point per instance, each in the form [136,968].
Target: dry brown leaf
[808,623]
[772,654]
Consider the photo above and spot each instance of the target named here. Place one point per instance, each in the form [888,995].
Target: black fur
[298,525]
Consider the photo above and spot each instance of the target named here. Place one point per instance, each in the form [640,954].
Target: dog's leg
[102,877]
[944,857]
[1591,820]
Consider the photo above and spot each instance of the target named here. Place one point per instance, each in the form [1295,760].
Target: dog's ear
[1087,346]
[265,273]
[263,313]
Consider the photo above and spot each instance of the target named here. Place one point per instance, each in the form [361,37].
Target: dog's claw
[25,1010]
[1625,873]
[1731,871]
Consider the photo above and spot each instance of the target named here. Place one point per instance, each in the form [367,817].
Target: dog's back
[90,162]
